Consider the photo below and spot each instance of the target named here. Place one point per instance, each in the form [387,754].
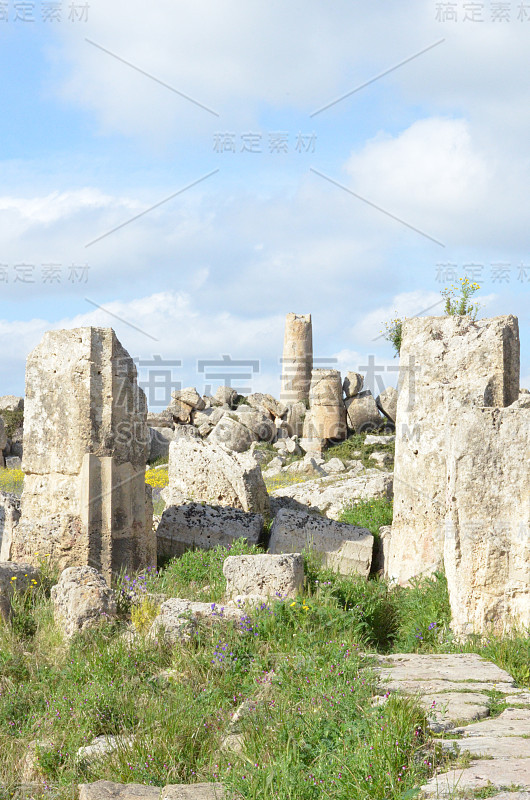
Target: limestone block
[81,599]
[294,418]
[264,575]
[9,518]
[387,403]
[196,526]
[487,524]
[224,396]
[484,774]
[352,384]
[258,423]
[328,415]
[85,447]
[8,402]
[107,790]
[177,619]
[297,361]
[202,471]
[362,413]
[13,462]
[342,547]
[266,401]
[190,397]
[231,434]
[160,441]
[446,364]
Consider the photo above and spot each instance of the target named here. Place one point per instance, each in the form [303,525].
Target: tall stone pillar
[297,361]
[327,409]
[85,500]
[447,364]
[487,525]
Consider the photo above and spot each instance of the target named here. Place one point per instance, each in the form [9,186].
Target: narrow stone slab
[342,547]
[491,746]
[444,710]
[497,773]
[193,791]
[107,790]
[458,667]
[441,687]
[512,722]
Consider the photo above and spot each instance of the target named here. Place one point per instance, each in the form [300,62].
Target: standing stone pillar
[447,364]
[328,413]
[487,527]
[297,361]
[85,500]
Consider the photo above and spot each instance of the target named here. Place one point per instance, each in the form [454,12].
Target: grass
[11,480]
[354,447]
[13,420]
[311,730]
[371,514]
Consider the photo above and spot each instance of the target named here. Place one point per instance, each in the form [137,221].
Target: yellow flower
[292,604]
[13,578]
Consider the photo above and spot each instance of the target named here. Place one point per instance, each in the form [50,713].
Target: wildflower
[292,604]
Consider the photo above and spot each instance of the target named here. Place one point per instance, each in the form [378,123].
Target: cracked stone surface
[497,773]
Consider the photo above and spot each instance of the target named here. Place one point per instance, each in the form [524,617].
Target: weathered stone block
[362,412]
[202,471]
[81,599]
[328,414]
[85,447]
[352,384]
[264,575]
[193,525]
[487,523]
[387,403]
[446,364]
[345,548]
[9,518]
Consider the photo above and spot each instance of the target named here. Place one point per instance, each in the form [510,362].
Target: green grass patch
[371,514]
[355,448]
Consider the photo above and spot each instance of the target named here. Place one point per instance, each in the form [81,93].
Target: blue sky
[88,142]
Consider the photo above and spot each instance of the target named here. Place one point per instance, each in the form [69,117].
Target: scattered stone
[178,618]
[197,526]
[232,434]
[334,466]
[294,418]
[375,439]
[107,790]
[160,439]
[202,471]
[345,548]
[352,384]
[331,495]
[382,459]
[13,462]
[387,403]
[85,448]
[268,403]
[9,402]
[164,419]
[9,517]
[362,413]
[297,361]
[100,747]
[292,447]
[224,396]
[190,397]
[258,423]
[81,600]
[264,575]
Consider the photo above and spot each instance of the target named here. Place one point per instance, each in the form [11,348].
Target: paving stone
[107,790]
[444,710]
[491,746]
[512,722]
[453,667]
[495,773]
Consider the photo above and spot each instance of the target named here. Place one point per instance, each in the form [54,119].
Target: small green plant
[143,614]
[393,333]
[371,514]
[13,420]
[457,299]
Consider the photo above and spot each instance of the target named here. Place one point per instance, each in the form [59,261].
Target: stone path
[453,689]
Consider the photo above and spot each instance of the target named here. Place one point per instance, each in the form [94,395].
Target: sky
[188,174]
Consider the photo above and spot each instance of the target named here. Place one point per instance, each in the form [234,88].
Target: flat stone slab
[454,667]
[491,746]
[107,790]
[511,796]
[443,710]
[441,687]
[521,699]
[496,773]
[512,722]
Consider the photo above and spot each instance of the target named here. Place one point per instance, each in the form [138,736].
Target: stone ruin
[85,445]
[462,478]
[297,361]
